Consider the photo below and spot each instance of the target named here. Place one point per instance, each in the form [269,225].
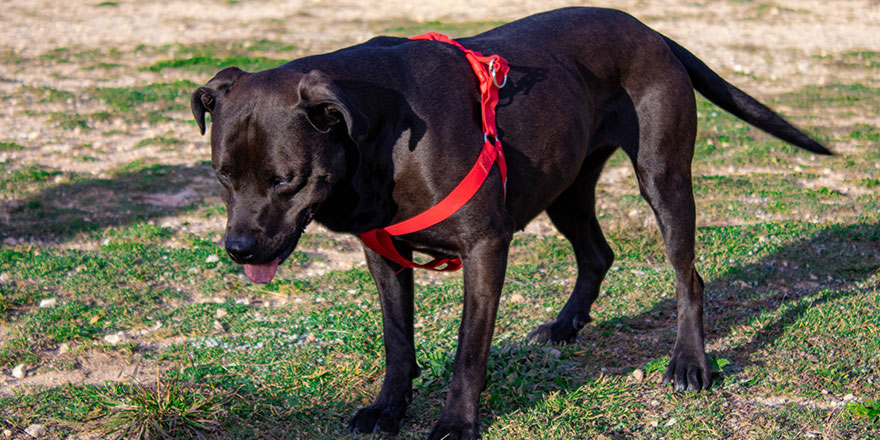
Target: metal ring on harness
[493,70]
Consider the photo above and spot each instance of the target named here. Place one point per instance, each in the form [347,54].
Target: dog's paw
[688,372]
[377,418]
[454,430]
[558,330]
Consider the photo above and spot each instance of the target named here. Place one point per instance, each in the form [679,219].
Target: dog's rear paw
[558,330]
[688,372]
[377,418]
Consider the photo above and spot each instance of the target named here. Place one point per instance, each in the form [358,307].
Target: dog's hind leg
[574,215]
[396,296]
[662,161]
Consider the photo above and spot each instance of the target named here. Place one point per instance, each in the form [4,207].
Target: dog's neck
[364,198]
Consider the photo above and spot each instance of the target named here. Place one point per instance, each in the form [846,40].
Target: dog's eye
[223,177]
[283,185]
[288,186]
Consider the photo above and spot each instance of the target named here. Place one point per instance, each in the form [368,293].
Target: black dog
[377,133]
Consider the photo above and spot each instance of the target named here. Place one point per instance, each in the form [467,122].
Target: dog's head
[278,146]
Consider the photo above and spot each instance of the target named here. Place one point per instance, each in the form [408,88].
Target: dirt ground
[766,47]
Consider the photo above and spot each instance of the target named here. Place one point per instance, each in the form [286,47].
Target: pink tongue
[261,273]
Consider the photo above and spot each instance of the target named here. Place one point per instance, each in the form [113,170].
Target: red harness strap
[487,69]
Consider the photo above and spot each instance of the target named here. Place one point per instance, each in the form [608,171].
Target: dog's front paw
[449,429]
[688,372]
[377,418]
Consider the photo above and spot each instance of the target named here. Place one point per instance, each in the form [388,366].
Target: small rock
[20,371]
[221,313]
[243,301]
[63,348]
[10,241]
[555,353]
[7,433]
[849,397]
[35,431]
[638,375]
[48,302]
[220,327]
[517,299]
[670,422]
[115,338]
[4,277]
[212,259]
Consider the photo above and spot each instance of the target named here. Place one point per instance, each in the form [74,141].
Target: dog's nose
[241,248]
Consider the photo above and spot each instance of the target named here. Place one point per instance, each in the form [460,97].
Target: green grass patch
[207,64]
[19,180]
[865,132]
[408,28]
[49,94]
[10,146]
[854,59]
[853,96]
[208,58]
[168,409]
[68,54]
[159,140]
[165,95]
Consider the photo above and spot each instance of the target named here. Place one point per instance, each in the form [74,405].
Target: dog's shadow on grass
[762,297]
[82,206]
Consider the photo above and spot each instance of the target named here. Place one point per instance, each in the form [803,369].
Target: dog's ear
[205,98]
[326,106]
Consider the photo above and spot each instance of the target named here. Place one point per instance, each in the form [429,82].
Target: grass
[855,59]
[167,410]
[407,28]
[159,140]
[296,368]
[10,146]
[208,58]
[207,64]
[788,244]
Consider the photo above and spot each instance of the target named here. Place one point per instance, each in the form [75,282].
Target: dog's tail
[740,104]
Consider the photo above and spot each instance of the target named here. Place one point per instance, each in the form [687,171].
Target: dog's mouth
[264,273]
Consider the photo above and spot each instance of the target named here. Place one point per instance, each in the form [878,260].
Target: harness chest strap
[487,69]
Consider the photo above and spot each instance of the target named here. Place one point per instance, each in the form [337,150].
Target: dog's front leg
[396,295]
[484,265]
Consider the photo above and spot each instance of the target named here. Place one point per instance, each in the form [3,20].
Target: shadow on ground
[88,205]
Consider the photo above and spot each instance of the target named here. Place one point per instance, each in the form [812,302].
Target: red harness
[487,68]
